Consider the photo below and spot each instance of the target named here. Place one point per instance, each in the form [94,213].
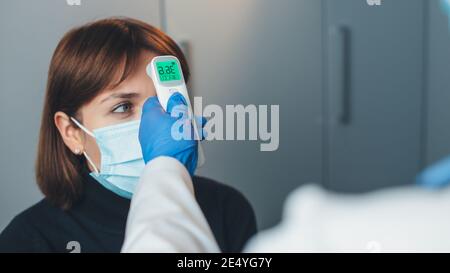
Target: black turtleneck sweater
[97,222]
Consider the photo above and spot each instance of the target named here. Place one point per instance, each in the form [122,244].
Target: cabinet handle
[339,73]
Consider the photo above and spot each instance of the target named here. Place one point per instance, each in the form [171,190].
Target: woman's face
[118,105]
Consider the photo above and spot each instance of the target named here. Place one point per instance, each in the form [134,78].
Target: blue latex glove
[445,6]
[155,132]
[436,175]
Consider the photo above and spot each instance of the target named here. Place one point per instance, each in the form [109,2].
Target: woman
[96,87]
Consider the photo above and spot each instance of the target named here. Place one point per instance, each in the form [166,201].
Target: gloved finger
[435,176]
[150,104]
[179,111]
[174,100]
[188,130]
[201,122]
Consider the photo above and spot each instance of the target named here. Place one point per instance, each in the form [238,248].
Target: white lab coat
[165,217]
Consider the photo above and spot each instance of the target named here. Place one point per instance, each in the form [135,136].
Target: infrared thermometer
[167,76]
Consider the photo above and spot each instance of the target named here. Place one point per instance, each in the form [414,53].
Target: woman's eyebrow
[121,96]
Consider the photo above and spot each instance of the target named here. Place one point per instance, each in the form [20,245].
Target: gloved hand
[156,136]
[445,5]
[435,176]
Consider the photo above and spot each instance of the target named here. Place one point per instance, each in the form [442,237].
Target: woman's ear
[70,133]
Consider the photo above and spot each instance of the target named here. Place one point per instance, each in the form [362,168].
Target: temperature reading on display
[168,71]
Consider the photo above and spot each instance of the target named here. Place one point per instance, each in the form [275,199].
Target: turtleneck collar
[102,206]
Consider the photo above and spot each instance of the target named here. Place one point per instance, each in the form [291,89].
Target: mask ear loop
[84,153]
[91,163]
[82,127]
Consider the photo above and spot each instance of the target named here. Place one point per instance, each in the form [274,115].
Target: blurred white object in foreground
[406,219]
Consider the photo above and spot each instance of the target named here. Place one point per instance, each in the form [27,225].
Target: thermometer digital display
[168,71]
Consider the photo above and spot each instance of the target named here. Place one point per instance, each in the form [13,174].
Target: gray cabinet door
[30,31]
[262,53]
[375,92]
[438,84]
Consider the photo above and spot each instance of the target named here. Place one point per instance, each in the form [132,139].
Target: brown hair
[84,63]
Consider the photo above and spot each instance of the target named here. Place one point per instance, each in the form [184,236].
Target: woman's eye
[122,108]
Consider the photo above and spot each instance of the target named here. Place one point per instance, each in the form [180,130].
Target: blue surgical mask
[121,157]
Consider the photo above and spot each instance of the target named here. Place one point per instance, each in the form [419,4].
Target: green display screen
[168,71]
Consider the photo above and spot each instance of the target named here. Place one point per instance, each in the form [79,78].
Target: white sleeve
[164,215]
